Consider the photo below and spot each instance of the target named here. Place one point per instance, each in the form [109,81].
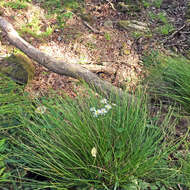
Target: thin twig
[174,33]
[185,32]
[91,28]
[111,4]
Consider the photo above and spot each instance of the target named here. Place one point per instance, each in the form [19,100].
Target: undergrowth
[169,79]
[63,9]
[91,143]
[12,106]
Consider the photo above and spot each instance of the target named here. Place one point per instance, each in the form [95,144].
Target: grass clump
[151,58]
[4,173]
[170,79]
[185,162]
[12,102]
[88,143]
[12,106]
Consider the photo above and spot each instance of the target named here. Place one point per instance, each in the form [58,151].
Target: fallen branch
[72,70]
[100,68]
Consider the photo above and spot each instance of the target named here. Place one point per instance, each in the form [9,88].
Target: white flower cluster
[41,109]
[102,111]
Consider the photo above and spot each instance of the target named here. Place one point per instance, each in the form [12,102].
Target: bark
[100,68]
[72,70]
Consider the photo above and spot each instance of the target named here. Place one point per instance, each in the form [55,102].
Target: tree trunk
[72,70]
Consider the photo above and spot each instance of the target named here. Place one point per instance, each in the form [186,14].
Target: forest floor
[94,33]
[89,33]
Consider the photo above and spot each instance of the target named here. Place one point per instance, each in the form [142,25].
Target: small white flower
[95,114]
[113,104]
[103,111]
[93,109]
[108,107]
[103,101]
[41,109]
[94,152]
[99,111]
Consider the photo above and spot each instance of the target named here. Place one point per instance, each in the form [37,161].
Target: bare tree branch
[72,70]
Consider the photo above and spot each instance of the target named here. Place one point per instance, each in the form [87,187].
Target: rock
[123,7]
[133,25]
[108,24]
[18,67]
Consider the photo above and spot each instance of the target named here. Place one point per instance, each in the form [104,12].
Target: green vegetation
[107,36]
[164,26]
[11,98]
[137,34]
[34,30]
[61,8]
[17,4]
[34,27]
[91,143]
[13,105]
[4,174]
[172,77]
[165,29]
[157,3]
[161,17]
[151,58]
[86,142]
[168,82]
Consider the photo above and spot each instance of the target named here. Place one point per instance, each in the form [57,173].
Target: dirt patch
[76,43]
[111,46]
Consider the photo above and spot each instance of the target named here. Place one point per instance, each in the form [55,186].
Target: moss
[19,67]
[187,15]
[133,25]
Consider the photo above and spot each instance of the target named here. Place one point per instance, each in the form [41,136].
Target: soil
[100,42]
[112,45]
